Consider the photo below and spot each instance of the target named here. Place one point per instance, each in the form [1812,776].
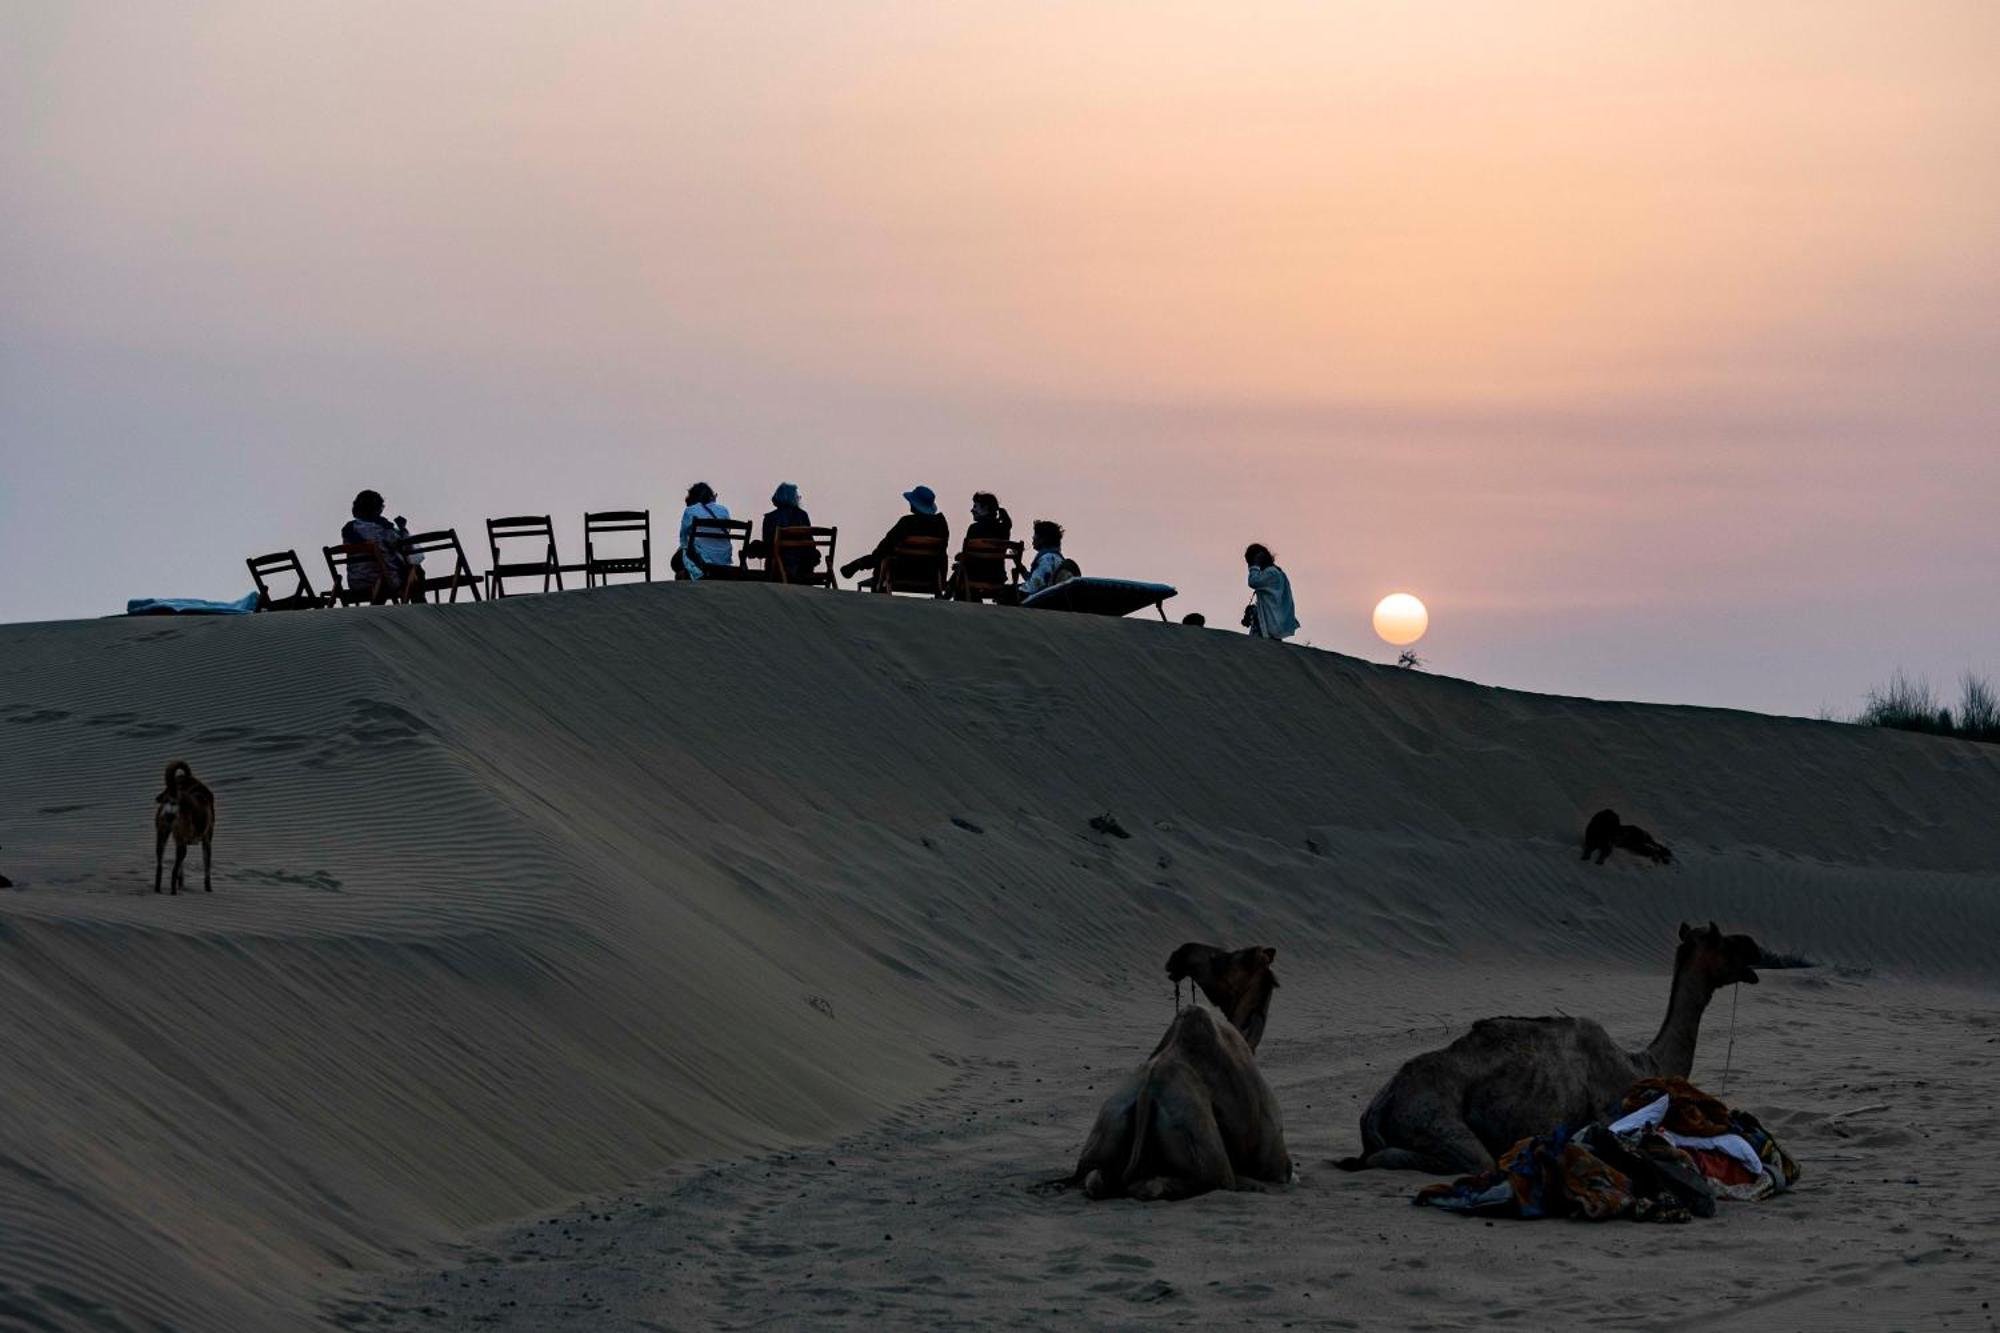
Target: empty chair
[529,528]
[598,567]
[802,555]
[443,541]
[381,583]
[277,565]
[988,567]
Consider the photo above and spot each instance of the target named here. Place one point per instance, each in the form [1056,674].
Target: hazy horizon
[1652,349]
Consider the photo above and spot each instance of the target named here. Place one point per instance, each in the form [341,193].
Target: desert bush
[1908,703]
[1978,709]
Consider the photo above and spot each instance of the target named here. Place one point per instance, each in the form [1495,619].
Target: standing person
[709,555]
[1271,615]
[786,512]
[923,520]
[397,579]
[1051,566]
[990,522]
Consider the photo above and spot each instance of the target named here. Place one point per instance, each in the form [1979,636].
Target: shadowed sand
[522,903]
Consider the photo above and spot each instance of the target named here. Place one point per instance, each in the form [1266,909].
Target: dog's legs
[206,887]
[159,856]
[180,862]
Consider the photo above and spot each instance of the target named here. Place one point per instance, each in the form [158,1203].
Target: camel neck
[1671,1053]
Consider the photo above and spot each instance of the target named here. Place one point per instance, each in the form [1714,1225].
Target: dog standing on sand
[1605,832]
[186,812]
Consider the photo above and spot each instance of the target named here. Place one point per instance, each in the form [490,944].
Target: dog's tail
[177,770]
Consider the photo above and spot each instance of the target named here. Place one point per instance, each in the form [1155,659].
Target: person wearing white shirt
[706,553]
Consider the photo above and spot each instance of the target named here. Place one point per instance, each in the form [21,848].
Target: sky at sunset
[1653,346]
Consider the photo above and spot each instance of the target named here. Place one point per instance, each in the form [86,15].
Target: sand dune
[521,902]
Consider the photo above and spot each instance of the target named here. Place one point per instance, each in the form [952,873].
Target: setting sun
[1401,619]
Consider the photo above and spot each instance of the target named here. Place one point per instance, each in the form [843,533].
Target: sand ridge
[520,901]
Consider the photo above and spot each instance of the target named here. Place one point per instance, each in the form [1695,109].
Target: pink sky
[1652,346]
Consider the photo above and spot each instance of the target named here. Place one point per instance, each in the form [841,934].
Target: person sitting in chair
[923,520]
[398,580]
[990,522]
[1051,566]
[786,513]
[708,556]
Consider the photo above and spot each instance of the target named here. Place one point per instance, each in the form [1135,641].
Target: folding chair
[822,575]
[460,574]
[525,527]
[988,567]
[915,566]
[275,565]
[597,570]
[337,558]
[734,531]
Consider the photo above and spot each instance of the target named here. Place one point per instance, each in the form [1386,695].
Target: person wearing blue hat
[923,520]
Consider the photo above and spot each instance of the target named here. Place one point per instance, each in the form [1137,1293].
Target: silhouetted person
[1271,615]
[990,522]
[709,556]
[1195,619]
[1050,566]
[787,513]
[923,520]
[397,579]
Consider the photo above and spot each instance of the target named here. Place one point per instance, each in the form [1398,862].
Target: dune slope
[521,900]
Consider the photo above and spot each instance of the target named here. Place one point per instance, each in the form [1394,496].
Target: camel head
[1238,982]
[1718,959]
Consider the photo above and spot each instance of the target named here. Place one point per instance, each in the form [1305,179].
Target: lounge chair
[1102,597]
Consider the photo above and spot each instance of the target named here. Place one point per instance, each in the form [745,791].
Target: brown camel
[1197,1116]
[1209,1120]
[1238,983]
[1452,1112]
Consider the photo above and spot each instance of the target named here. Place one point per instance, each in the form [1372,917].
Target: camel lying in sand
[1239,982]
[1453,1111]
[1605,833]
[1197,1116]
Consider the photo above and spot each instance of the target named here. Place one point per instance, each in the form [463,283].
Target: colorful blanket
[1636,1168]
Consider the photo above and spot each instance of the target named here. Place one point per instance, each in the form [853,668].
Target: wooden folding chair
[276,565]
[915,566]
[735,531]
[979,560]
[524,527]
[460,574]
[597,570]
[823,540]
[337,558]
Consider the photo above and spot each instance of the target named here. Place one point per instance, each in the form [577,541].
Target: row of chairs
[803,555]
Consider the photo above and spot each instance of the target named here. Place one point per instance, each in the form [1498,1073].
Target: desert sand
[728,956]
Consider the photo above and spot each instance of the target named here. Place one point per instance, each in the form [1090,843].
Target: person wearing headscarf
[786,512]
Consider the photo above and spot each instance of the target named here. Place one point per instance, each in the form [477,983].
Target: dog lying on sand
[1604,834]
[184,811]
